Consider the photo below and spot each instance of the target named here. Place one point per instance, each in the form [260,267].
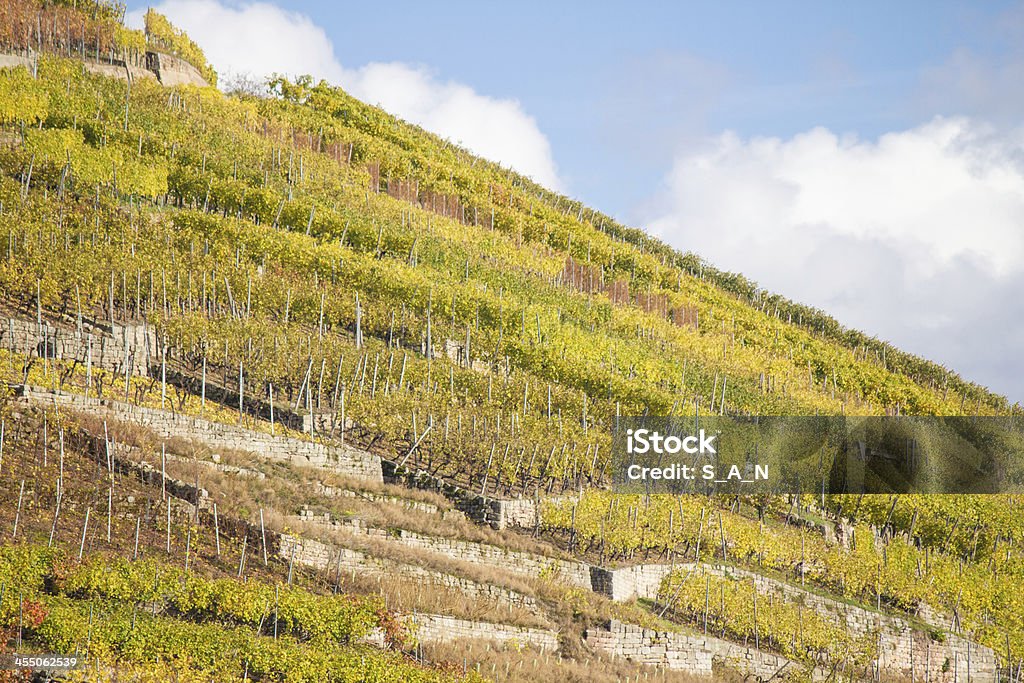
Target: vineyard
[972,575]
[304,268]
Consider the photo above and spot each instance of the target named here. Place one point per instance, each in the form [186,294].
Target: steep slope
[304,266]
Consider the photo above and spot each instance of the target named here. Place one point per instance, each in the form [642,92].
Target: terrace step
[437,628]
[528,564]
[345,460]
[332,558]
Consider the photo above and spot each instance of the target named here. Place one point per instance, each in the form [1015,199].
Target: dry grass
[288,487]
[363,485]
[382,514]
[381,548]
[570,608]
[408,596]
[513,665]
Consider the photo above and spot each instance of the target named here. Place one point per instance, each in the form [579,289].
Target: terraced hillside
[294,390]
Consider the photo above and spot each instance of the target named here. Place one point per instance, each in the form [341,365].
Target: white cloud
[493,128]
[917,237]
[261,38]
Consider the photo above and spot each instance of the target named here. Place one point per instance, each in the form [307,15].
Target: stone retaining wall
[217,466]
[644,646]
[631,583]
[167,69]
[171,70]
[750,661]
[514,561]
[694,654]
[10,61]
[108,348]
[407,503]
[434,628]
[498,513]
[342,459]
[902,648]
[329,558]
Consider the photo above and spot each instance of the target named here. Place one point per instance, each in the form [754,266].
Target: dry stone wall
[11,61]
[514,561]
[631,583]
[328,558]
[414,505]
[653,648]
[694,654]
[108,348]
[218,466]
[171,71]
[434,628]
[750,661]
[108,69]
[167,69]
[902,648]
[498,513]
[342,459]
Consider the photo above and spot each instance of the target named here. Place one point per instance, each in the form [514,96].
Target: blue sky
[865,158]
[601,77]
